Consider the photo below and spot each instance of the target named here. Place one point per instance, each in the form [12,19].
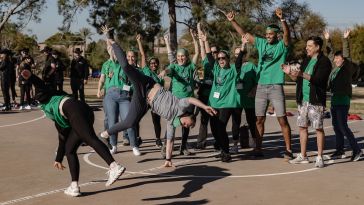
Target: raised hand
[245,39]
[193,33]
[202,36]
[105,29]
[138,37]
[326,35]
[347,33]
[279,13]
[230,16]
[166,38]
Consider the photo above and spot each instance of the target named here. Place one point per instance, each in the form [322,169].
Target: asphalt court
[28,142]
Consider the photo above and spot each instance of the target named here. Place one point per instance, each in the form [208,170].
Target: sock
[74,184]
[113,164]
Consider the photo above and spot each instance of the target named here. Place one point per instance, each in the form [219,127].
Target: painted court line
[25,122]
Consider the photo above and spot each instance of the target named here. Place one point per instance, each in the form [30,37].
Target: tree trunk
[172,24]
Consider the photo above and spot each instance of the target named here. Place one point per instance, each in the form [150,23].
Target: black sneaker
[184,152]
[158,143]
[225,157]
[356,156]
[288,155]
[256,154]
[338,154]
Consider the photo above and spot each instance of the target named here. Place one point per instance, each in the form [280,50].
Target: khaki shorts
[310,115]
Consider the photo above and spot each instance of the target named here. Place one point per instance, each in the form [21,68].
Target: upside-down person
[149,93]
[74,122]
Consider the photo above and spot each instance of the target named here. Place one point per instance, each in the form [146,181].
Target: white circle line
[25,122]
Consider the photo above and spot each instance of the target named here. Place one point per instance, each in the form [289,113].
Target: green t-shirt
[271,57]
[182,79]
[306,83]
[119,79]
[337,99]
[223,92]
[208,76]
[51,110]
[105,70]
[246,81]
[148,72]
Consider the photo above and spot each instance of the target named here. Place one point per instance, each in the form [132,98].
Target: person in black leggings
[74,122]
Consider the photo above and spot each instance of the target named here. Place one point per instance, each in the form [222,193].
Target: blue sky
[337,13]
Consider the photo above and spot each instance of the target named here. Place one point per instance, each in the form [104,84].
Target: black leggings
[157,124]
[141,84]
[81,119]
[25,91]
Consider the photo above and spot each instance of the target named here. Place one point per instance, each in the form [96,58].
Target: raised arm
[171,55]
[231,17]
[141,50]
[195,43]
[239,59]
[286,32]
[201,42]
[346,48]
[329,48]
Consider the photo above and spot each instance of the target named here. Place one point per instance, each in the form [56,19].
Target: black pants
[141,84]
[25,91]
[157,124]
[77,86]
[218,126]
[205,117]
[81,119]
[236,120]
[13,92]
[5,88]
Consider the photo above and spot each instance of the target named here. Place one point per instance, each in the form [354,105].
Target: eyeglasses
[221,58]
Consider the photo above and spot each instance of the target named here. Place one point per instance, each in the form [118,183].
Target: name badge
[208,82]
[126,88]
[239,86]
[189,89]
[216,95]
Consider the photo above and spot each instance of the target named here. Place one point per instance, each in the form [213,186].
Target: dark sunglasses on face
[221,58]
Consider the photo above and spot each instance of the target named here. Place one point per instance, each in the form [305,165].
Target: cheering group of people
[227,88]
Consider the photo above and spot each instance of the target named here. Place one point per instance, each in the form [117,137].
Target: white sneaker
[234,149]
[114,149]
[319,162]
[136,151]
[21,107]
[27,107]
[299,160]
[114,174]
[73,191]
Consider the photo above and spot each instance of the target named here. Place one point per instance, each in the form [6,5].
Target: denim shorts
[273,94]
[310,115]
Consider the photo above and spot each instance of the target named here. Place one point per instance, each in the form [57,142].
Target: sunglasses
[221,58]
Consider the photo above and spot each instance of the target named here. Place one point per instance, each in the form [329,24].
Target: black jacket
[342,83]
[318,81]
[79,68]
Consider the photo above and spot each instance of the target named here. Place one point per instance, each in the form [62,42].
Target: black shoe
[356,156]
[256,154]
[139,141]
[158,143]
[225,157]
[216,146]
[184,152]
[338,154]
[288,155]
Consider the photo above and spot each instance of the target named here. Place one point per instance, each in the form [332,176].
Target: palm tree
[85,34]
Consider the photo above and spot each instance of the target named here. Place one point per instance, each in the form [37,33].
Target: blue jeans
[340,122]
[117,105]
